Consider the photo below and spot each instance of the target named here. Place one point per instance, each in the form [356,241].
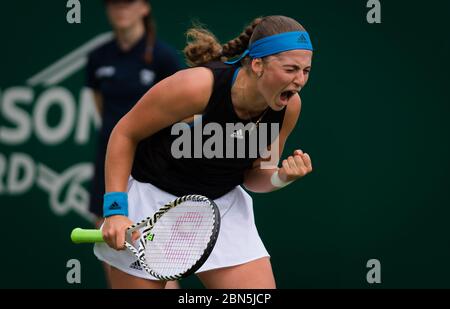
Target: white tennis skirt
[238,241]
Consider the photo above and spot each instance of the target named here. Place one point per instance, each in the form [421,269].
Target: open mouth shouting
[285,96]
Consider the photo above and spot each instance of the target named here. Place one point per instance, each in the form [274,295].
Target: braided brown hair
[203,46]
[238,45]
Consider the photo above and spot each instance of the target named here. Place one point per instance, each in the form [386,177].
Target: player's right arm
[180,96]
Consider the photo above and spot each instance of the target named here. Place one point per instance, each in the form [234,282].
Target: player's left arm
[293,167]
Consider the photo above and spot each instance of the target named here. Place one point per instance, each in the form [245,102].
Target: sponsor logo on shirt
[147,77]
[104,72]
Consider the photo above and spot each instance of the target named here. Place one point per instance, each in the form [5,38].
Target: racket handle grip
[79,236]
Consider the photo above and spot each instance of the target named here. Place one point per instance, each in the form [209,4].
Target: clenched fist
[295,166]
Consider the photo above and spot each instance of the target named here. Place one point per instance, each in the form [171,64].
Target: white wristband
[277,182]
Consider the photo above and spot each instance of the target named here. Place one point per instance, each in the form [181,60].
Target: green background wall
[374,119]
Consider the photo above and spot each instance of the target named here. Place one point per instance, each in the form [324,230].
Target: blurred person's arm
[93,83]
[98,99]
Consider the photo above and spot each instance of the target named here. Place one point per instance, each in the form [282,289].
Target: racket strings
[179,238]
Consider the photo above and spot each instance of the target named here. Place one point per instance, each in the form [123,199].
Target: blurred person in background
[120,72]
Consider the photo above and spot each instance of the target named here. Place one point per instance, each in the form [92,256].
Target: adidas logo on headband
[302,39]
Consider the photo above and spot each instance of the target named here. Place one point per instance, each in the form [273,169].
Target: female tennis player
[144,169]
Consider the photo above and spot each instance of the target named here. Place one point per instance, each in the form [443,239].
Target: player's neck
[245,96]
[128,37]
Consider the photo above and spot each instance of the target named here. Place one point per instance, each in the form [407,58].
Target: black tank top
[212,177]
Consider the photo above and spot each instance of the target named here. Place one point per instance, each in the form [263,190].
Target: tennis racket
[175,241]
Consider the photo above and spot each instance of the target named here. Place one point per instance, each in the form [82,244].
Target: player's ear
[257,67]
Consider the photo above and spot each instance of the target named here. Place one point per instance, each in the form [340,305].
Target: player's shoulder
[196,82]
[186,92]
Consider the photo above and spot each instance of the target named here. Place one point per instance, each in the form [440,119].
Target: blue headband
[275,44]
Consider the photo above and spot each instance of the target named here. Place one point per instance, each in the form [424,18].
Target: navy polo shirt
[123,77]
